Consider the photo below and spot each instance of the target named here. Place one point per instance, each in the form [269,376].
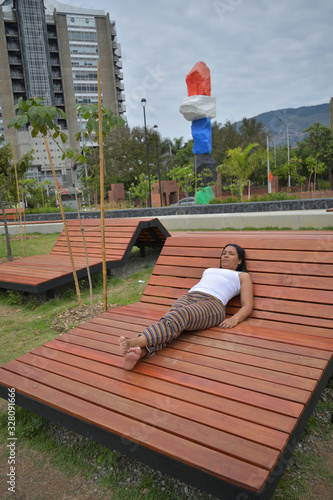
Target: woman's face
[229,258]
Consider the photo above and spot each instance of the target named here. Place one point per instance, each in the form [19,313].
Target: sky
[263,55]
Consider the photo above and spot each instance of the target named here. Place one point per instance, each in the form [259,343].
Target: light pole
[269,186]
[158,167]
[143,102]
[287,125]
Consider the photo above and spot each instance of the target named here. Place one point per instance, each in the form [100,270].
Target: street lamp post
[269,185]
[287,125]
[158,167]
[143,102]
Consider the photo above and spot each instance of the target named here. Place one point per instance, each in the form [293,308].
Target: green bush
[215,201]
[229,199]
[265,197]
[47,210]
[272,197]
[324,185]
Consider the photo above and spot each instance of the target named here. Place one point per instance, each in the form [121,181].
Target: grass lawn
[34,244]
[54,464]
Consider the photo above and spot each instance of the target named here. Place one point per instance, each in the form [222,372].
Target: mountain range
[298,118]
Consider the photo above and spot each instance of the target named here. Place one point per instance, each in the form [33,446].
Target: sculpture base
[205,161]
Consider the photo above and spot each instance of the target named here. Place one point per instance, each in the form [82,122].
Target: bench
[219,409]
[12,214]
[42,273]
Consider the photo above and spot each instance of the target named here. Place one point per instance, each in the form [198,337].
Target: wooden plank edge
[167,465]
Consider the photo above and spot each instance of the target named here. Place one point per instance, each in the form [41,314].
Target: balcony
[18,88]
[13,46]
[10,32]
[14,60]
[119,85]
[16,75]
[119,73]
[54,47]
[113,28]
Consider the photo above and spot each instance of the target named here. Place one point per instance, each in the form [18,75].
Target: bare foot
[123,345]
[131,357]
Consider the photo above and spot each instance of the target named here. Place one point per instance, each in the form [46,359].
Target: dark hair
[241,255]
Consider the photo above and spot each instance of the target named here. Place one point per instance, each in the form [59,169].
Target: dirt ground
[38,479]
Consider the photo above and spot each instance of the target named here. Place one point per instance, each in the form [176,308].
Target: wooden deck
[44,272]
[219,409]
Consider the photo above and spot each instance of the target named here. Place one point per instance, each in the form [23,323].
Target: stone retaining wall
[235,208]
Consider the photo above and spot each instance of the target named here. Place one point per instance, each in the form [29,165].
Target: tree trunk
[330,177]
[9,250]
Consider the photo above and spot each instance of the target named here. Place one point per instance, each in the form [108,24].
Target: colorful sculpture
[199,108]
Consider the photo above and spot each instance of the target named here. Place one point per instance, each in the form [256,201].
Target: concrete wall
[225,208]
[291,219]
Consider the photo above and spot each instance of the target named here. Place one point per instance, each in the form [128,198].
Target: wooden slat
[147,394]
[223,466]
[48,271]
[282,423]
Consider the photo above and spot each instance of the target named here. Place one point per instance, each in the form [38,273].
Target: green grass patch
[27,320]
[295,485]
[34,244]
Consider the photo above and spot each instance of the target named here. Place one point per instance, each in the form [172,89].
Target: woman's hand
[229,323]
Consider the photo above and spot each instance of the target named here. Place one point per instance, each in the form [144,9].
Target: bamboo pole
[64,221]
[84,245]
[18,194]
[100,133]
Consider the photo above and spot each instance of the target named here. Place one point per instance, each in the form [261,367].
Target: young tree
[318,144]
[8,181]
[140,188]
[42,119]
[185,178]
[238,166]
[292,169]
[314,167]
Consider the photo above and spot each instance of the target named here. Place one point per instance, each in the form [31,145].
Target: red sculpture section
[198,80]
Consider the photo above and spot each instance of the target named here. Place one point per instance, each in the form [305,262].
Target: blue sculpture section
[202,136]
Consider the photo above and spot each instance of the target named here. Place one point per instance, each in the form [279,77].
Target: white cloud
[263,55]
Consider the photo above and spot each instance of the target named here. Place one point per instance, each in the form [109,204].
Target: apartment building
[50,50]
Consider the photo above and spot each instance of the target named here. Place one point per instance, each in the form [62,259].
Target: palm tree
[237,165]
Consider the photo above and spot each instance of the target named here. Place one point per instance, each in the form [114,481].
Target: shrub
[272,197]
[47,210]
[215,201]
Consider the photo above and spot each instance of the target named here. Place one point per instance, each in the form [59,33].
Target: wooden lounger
[219,409]
[41,273]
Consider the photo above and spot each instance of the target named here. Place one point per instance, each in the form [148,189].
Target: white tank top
[221,283]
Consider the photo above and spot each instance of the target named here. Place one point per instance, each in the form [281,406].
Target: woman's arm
[246,297]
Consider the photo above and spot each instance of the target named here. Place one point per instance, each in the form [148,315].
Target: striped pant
[193,311]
